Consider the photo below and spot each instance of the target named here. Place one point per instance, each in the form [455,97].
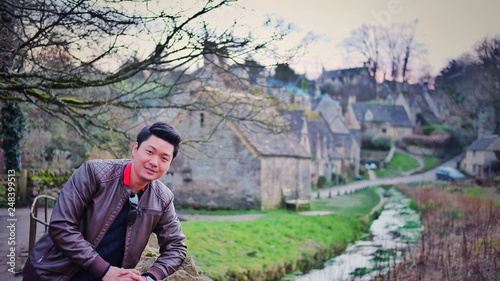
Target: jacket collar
[126,176]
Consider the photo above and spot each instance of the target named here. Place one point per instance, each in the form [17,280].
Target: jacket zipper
[47,253]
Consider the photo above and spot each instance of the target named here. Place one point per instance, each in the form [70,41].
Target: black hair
[163,131]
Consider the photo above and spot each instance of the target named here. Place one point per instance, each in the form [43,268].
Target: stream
[397,227]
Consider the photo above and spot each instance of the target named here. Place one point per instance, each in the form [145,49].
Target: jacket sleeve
[64,231]
[171,240]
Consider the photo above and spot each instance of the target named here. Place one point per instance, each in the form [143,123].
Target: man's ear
[134,150]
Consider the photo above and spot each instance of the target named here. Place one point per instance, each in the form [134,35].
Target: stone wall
[280,173]
[425,151]
[225,175]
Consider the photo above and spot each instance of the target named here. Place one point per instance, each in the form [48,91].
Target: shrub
[436,129]
[321,182]
[362,170]
[48,182]
[50,179]
[421,118]
[366,141]
[381,142]
[437,140]
[494,167]
[428,130]
[341,179]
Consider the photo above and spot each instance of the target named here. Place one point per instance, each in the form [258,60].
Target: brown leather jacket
[86,208]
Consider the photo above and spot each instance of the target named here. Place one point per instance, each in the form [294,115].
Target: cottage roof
[254,118]
[338,126]
[328,107]
[270,144]
[259,136]
[417,99]
[394,114]
[483,143]
[320,133]
[317,128]
[296,119]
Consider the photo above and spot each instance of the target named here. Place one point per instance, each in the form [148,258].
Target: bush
[494,167]
[421,118]
[433,141]
[341,179]
[362,170]
[48,182]
[49,179]
[428,130]
[366,141]
[321,182]
[436,129]
[381,142]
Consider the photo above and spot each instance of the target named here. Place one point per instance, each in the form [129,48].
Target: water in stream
[396,228]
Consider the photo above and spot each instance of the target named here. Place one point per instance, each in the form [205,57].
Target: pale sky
[447,28]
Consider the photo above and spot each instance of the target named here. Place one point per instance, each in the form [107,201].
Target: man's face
[152,159]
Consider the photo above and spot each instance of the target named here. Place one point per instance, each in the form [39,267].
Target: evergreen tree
[13,122]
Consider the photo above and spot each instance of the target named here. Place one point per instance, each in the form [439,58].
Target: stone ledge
[186,272]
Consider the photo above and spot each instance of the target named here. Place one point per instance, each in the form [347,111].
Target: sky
[447,28]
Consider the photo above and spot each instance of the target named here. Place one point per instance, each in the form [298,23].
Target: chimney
[318,91]
[351,100]
[480,131]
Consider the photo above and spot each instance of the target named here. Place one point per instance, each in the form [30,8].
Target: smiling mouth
[150,170]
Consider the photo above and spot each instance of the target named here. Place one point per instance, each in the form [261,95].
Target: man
[105,214]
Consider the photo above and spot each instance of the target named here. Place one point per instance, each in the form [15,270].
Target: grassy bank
[357,204]
[401,162]
[461,237]
[281,242]
[430,162]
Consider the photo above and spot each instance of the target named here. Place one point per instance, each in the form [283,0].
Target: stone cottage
[480,155]
[347,141]
[240,154]
[315,136]
[378,119]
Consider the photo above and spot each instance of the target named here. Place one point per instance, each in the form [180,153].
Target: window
[202,119]
[473,153]
[401,134]
[384,131]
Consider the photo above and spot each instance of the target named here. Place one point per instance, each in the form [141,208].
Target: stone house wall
[234,167]
[225,174]
[280,173]
[474,162]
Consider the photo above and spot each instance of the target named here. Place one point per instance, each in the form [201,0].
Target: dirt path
[248,217]
[428,176]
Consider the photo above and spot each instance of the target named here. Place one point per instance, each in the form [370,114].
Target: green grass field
[357,204]
[430,162]
[282,239]
[400,162]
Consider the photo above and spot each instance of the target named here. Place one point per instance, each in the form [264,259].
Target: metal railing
[34,218]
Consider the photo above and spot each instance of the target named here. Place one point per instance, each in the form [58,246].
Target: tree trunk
[12,116]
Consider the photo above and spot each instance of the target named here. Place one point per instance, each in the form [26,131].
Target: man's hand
[115,273]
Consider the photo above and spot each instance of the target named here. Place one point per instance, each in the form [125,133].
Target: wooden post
[33,223]
[23,185]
